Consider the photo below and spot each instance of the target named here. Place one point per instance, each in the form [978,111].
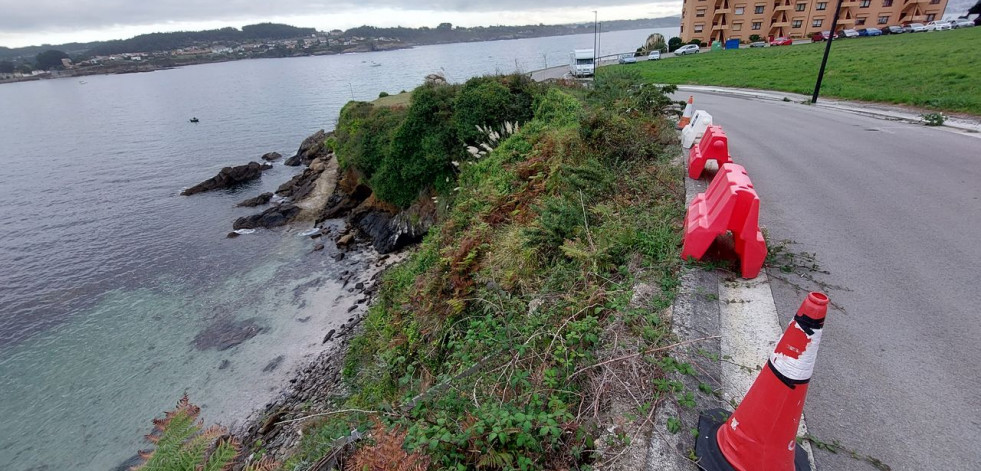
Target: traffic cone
[689,111]
[761,434]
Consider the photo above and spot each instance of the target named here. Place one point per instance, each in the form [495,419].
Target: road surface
[893,213]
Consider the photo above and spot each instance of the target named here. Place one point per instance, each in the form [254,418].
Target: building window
[864,3]
[931,16]
[817,23]
[822,6]
[740,10]
[796,23]
[700,13]
[757,25]
[759,9]
[887,3]
[801,6]
[859,21]
[737,26]
[883,19]
[698,28]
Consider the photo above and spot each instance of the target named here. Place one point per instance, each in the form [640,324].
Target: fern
[387,454]
[182,444]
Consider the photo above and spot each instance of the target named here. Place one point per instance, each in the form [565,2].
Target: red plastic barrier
[761,434]
[713,146]
[729,204]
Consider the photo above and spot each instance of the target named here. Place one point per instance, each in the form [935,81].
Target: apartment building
[712,20]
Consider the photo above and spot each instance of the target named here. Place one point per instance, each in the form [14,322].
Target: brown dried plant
[387,453]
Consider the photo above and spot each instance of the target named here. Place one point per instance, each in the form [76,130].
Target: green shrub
[674,43]
[490,101]
[382,94]
[364,135]
[422,147]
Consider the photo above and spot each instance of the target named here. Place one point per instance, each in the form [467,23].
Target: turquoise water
[107,275]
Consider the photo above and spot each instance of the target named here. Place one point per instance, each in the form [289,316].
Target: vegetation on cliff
[488,346]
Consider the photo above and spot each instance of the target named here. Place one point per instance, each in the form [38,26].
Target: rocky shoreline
[348,215]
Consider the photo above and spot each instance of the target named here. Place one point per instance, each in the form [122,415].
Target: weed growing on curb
[835,447]
[934,119]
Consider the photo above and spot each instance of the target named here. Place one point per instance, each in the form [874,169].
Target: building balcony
[720,27]
[846,21]
[785,8]
[782,24]
[723,11]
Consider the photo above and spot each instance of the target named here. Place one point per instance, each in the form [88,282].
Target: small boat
[194,119]
[83,82]
[374,64]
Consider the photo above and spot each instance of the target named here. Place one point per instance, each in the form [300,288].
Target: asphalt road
[893,213]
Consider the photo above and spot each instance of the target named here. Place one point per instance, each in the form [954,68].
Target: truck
[581,63]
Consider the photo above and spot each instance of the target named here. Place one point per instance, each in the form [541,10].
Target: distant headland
[154,51]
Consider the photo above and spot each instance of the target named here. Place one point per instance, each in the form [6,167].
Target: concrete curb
[876,110]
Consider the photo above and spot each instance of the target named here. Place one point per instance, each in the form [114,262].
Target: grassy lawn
[935,70]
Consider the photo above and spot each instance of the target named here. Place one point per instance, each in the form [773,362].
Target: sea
[109,278]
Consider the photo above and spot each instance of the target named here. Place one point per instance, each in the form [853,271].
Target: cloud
[49,15]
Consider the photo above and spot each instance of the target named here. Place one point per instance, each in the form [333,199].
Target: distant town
[157,51]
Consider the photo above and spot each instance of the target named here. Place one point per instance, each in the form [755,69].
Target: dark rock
[344,240]
[311,148]
[228,177]
[340,202]
[318,247]
[232,235]
[275,216]
[300,185]
[339,257]
[274,364]
[271,156]
[329,336]
[257,201]
[359,285]
[294,161]
[224,364]
[316,236]
[352,308]
[391,232]
[226,333]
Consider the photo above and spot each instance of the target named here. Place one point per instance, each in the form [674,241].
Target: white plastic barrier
[694,130]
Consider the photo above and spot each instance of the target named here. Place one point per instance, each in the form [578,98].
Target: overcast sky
[35,22]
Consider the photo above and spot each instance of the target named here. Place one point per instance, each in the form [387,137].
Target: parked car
[782,41]
[847,33]
[870,32]
[938,26]
[822,36]
[686,49]
[961,23]
[654,55]
[893,30]
[627,59]
[915,28]
[757,44]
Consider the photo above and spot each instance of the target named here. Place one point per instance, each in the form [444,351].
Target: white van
[581,63]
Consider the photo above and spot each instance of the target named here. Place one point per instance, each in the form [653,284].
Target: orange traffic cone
[687,114]
[761,434]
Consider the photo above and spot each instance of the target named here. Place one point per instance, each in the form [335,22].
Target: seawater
[107,274]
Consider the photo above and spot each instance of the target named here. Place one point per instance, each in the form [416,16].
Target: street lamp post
[827,51]
[596,32]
